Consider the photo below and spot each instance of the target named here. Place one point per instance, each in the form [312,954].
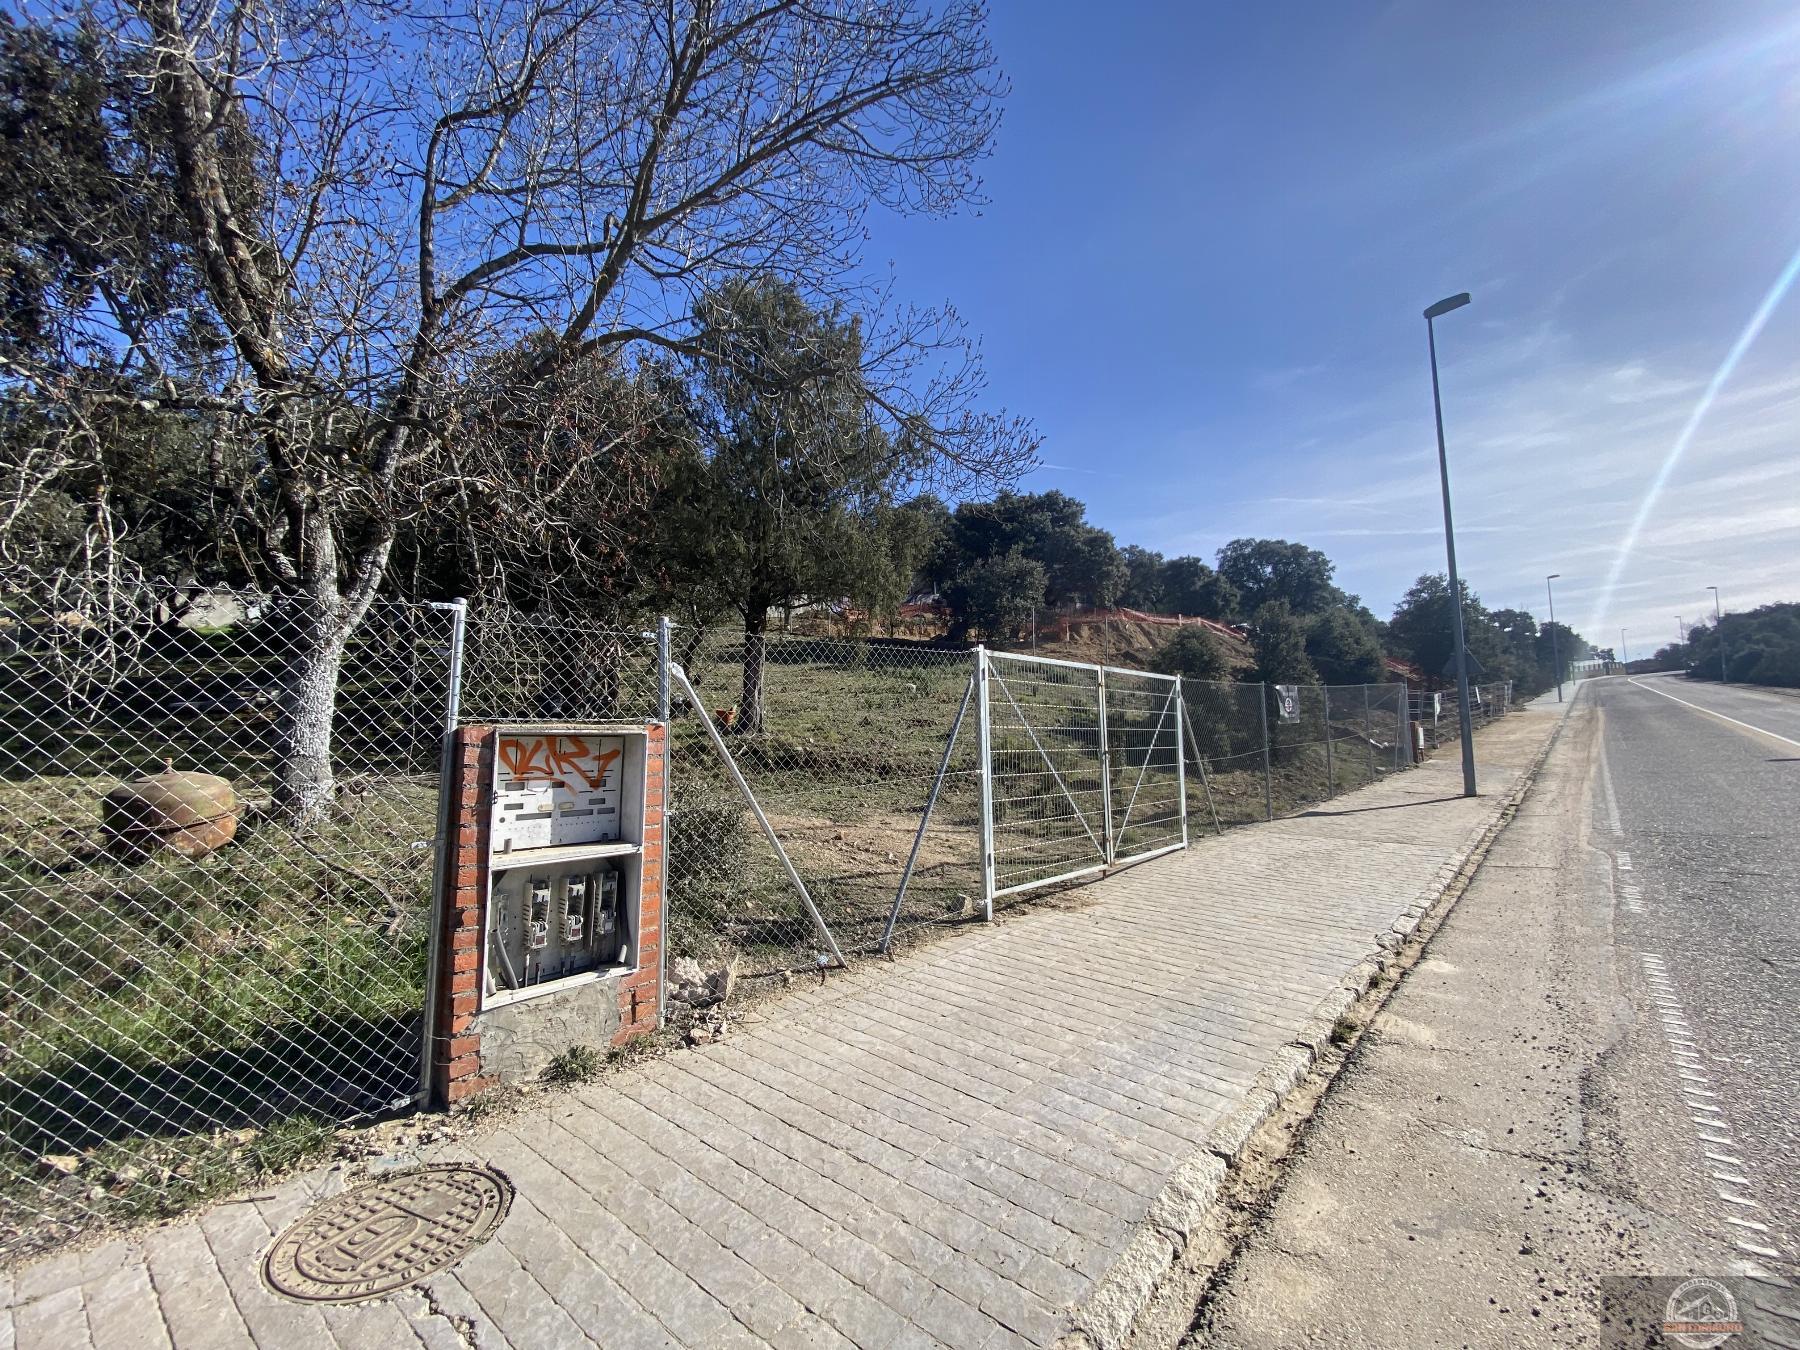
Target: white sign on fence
[1287,702]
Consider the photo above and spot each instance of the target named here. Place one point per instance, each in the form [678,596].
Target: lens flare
[1598,619]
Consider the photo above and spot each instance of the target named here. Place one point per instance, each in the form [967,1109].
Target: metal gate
[1083,769]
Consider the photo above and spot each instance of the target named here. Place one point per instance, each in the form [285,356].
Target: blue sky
[1213,228]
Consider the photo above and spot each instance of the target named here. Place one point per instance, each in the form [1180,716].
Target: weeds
[577,1064]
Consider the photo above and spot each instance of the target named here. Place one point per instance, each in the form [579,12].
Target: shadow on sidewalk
[1391,806]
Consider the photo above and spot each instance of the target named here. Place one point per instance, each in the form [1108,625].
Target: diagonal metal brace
[1205,778]
[887,934]
[737,776]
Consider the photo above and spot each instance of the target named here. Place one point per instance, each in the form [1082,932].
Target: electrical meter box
[555,928]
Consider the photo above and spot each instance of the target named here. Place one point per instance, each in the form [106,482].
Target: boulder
[191,813]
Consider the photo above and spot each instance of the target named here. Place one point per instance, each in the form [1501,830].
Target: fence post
[1403,742]
[459,625]
[1330,762]
[1369,733]
[1262,704]
[441,864]
[663,629]
[1181,757]
[985,725]
[1106,805]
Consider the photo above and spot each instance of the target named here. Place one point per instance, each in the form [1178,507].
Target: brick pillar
[639,1000]
[455,1042]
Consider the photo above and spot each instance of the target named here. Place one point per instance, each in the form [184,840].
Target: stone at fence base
[692,983]
[191,813]
[685,974]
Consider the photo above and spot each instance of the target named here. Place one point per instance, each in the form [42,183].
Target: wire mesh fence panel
[1225,731]
[1387,727]
[842,743]
[1364,724]
[1143,742]
[1049,789]
[542,668]
[1303,764]
[216,888]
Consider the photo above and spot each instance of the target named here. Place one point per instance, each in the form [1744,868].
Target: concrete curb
[1104,1321]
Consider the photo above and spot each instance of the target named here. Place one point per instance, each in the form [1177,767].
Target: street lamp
[1438,311]
[1555,653]
[1719,631]
[1624,652]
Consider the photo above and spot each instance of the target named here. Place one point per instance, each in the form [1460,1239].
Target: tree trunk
[750,698]
[303,773]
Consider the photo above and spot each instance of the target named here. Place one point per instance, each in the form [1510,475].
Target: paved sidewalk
[969,1147]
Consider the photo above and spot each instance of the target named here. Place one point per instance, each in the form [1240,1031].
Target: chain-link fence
[215,903]
[537,668]
[1270,749]
[1434,712]
[844,744]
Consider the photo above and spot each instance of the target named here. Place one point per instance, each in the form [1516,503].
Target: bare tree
[378,196]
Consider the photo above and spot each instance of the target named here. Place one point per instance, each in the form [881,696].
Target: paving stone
[194,1299]
[52,1321]
[121,1307]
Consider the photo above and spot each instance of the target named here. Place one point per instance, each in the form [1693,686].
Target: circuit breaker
[565,857]
[551,924]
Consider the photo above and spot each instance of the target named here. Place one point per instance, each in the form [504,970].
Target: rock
[191,813]
[686,970]
[126,1175]
[63,1164]
[722,981]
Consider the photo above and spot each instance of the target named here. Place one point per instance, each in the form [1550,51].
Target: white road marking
[1606,791]
[1747,726]
[1686,1055]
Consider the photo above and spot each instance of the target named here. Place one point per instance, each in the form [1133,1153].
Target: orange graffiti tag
[554,759]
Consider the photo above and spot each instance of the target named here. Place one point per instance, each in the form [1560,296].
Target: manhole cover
[388,1234]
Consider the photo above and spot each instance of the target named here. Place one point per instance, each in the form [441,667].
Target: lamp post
[1438,311]
[1555,652]
[1624,652]
[1719,631]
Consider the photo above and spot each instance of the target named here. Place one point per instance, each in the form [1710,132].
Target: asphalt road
[1708,816]
[1587,1091]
